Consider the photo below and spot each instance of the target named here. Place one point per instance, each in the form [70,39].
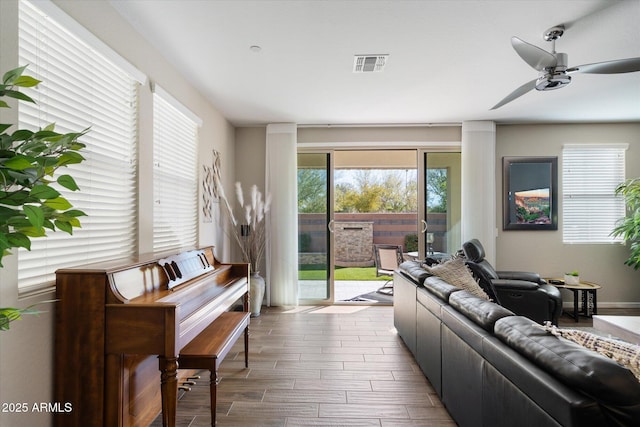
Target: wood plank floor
[324,366]
[318,366]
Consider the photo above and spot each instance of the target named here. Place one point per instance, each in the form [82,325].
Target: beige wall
[26,351]
[543,251]
[396,136]
[249,165]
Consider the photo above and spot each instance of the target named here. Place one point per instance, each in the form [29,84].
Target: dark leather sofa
[491,367]
[524,293]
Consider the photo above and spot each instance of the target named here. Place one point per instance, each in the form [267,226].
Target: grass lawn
[347,273]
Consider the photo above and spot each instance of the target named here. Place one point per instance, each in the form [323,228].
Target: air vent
[369,63]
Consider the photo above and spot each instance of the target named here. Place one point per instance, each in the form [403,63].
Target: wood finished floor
[318,366]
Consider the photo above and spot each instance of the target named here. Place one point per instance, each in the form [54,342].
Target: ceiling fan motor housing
[553,80]
[554,77]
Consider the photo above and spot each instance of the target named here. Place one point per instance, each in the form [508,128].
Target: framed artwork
[530,194]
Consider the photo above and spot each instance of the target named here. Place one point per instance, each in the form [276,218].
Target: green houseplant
[629,227]
[29,204]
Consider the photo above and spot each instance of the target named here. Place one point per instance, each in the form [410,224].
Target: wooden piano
[120,327]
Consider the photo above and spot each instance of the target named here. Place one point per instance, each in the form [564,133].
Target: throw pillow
[456,273]
[626,354]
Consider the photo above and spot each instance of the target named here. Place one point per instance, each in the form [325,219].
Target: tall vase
[256,293]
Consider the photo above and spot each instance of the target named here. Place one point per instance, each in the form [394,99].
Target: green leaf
[3,104]
[15,198]
[69,158]
[64,226]
[75,213]
[18,95]
[7,213]
[11,75]
[26,81]
[32,231]
[46,161]
[19,240]
[50,126]
[68,182]
[46,133]
[35,215]
[4,127]
[48,224]
[44,192]
[18,163]
[59,203]
[21,135]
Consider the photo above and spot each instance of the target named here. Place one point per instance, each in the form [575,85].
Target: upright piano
[120,326]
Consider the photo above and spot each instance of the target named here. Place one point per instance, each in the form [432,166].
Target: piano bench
[208,349]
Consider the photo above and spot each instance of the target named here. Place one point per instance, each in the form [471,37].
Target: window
[81,89]
[590,174]
[175,183]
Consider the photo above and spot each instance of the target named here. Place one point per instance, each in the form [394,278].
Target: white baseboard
[604,304]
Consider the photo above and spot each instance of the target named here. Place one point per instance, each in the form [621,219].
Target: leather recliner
[524,293]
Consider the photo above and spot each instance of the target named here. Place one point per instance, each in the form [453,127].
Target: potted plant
[29,204]
[629,227]
[572,278]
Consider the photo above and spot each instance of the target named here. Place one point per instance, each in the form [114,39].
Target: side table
[588,296]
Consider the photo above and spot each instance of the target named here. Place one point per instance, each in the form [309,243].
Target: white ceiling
[450,61]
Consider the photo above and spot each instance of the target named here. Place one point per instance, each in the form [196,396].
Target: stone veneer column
[479,184]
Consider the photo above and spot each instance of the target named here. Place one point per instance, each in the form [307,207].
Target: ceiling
[449,61]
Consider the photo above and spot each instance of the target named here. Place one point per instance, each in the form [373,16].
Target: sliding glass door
[441,200]
[315,264]
[349,201]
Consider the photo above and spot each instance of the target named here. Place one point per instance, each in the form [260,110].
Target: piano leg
[169,389]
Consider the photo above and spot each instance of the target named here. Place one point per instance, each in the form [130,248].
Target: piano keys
[120,326]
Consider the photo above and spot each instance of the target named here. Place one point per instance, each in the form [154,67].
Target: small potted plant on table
[572,278]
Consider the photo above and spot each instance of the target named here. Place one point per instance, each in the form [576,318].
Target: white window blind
[81,89]
[175,183]
[590,174]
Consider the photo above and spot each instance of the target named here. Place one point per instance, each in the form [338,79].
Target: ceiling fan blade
[516,93]
[538,58]
[617,66]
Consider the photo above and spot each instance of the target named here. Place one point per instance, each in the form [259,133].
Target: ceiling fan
[553,69]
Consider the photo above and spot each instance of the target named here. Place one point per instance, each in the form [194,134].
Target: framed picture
[530,195]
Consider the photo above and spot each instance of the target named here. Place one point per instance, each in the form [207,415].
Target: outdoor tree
[437,190]
[312,190]
[377,191]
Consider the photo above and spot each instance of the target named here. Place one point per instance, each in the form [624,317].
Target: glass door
[441,205]
[315,263]
[375,212]
[349,201]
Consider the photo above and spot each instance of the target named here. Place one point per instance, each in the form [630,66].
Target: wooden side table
[585,291]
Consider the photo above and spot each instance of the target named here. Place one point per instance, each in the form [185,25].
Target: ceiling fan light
[552,81]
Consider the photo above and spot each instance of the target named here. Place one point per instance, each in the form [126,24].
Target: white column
[282,222]
[479,184]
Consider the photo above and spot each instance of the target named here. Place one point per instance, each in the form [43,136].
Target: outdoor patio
[344,289]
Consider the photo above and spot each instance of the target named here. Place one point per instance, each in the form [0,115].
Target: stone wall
[354,243]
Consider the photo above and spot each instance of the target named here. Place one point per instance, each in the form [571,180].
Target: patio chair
[388,258]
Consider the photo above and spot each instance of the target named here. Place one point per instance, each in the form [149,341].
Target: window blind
[590,174]
[175,183]
[81,89]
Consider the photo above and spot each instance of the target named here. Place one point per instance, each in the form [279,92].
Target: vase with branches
[249,233]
